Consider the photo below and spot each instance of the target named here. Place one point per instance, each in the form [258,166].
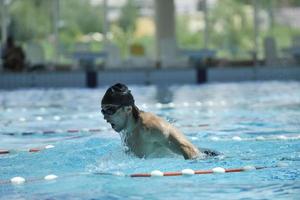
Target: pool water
[251,124]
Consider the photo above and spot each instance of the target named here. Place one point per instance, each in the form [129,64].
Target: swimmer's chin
[117,129]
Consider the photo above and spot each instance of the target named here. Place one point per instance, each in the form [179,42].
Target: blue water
[264,115]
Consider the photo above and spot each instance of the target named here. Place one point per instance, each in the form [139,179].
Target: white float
[188,172]
[171,105]
[57,118]
[50,177]
[186,104]
[17,180]
[260,138]
[49,146]
[22,119]
[214,138]
[218,170]
[282,164]
[236,138]
[282,137]
[39,118]
[156,173]
[198,103]
[158,105]
[249,168]
[118,174]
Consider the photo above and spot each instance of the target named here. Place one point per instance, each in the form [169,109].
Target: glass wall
[231,26]
[51,33]
[30,25]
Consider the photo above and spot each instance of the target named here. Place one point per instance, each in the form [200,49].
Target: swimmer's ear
[128,109]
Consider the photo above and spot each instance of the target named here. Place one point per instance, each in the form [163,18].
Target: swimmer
[144,134]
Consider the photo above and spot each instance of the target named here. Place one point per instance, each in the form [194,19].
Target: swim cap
[118,94]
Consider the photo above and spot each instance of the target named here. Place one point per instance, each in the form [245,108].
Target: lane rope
[145,106]
[189,172]
[155,173]
[171,105]
[57,131]
[74,130]
[31,150]
[37,149]
[212,138]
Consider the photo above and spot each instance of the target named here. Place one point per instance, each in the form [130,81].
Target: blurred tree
[232,29]
[30,19]
[129,14]
[79,17]
[231,25]
[33,18]
[123,29]
[122,38]
[266,3]
[295,2]
[185,38]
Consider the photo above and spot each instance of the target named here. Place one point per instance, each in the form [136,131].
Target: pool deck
[167,76]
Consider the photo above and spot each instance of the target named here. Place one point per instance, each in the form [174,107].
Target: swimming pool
[61,132]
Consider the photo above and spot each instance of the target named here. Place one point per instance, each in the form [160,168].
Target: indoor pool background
[256,124]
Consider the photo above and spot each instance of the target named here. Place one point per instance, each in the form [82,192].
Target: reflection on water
[164,94]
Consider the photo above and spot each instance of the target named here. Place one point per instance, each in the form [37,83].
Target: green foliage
[187,39]
[148,42]
[129,14]
[123,29]
[230,28]
[30,19]
[122,38]
[80,17]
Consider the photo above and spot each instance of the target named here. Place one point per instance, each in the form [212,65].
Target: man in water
[143,133]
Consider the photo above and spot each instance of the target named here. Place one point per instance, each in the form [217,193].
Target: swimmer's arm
[176,142]
[165,134]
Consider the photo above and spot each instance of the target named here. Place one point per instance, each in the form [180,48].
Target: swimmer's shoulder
[151,121]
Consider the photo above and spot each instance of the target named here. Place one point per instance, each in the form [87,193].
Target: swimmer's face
[115,115]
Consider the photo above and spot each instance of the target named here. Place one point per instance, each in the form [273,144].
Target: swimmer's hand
[205,153]
[209,152]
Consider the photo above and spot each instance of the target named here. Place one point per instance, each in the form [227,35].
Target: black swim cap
[118,94]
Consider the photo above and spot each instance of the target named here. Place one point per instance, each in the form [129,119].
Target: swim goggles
[110,110]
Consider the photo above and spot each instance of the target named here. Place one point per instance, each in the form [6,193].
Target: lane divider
[37,149]
[51,177]
[212,138]
[90,130]
[46,132]
[155,173]
[31,150]
[258,138]
[144,106]
[189,172]
[62,139]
